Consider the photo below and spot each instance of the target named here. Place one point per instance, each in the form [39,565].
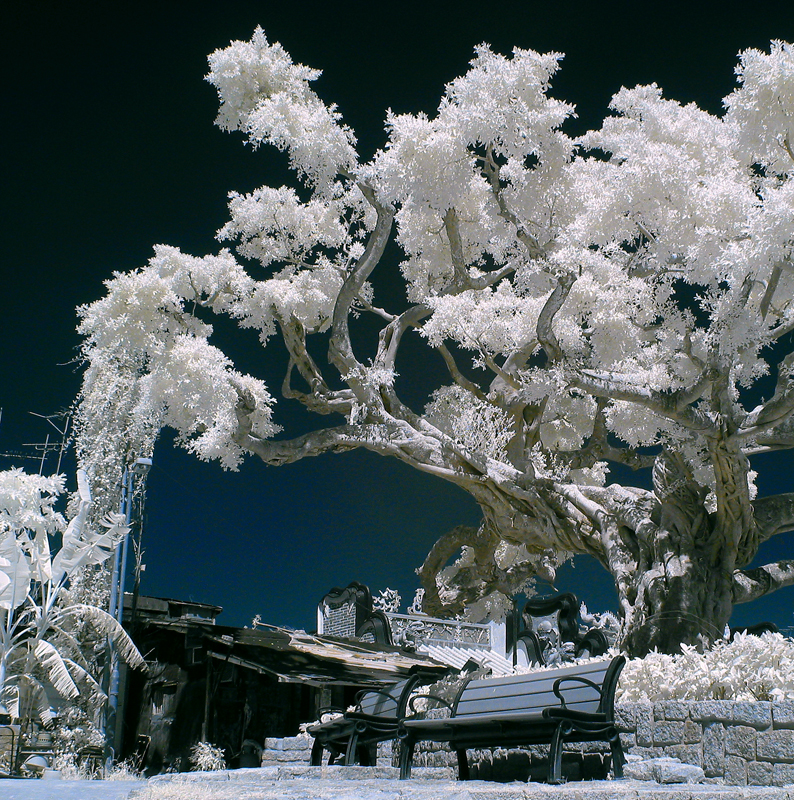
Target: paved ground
[356,783]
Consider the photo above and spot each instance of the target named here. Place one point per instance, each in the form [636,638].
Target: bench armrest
[573,679]
[435,697]
[386,695]
[597,717]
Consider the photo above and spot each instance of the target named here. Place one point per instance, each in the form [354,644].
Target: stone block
[673,710]
[670,770]
[783,714]
[735,771]
[300,772]
[759,773]
[775,746]
[757,715]
[628,740]
[740,741]
[639,771]
[693,732]
[782,774]
[688,753]
[626,716]
[648,752]
[644,725]
[292,756]
[296,743]
[712,711]
[666,733]
[273,744]
[714,749]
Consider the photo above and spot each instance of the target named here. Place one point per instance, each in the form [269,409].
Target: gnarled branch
[340,350]
[750,584]
[554,303]
[773,515]
[670,405]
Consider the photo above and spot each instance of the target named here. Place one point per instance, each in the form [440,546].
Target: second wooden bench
[574,703]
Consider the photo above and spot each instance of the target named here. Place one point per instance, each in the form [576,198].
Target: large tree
[620,298]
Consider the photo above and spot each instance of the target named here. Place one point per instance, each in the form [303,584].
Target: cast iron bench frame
[375,719]
[573,703]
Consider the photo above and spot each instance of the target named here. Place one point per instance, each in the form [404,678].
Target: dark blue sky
[109,148]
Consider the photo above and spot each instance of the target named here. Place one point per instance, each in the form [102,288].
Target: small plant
[205,757]
[124,771]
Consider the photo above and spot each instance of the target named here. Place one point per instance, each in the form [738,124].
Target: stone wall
[735,743]
[287,751]
[297,750]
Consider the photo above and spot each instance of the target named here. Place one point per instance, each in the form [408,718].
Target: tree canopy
[623,297]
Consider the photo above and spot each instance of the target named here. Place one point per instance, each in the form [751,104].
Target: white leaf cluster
[267,97]
[206,757]
[747,668]
[27,519]
[144,338]
[761,108]
[478,425]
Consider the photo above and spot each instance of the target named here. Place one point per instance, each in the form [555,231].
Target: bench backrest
[532,692]
[388,701]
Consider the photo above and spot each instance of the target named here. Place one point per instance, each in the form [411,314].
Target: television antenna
[43,449]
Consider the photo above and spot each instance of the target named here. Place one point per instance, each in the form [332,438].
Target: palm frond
[83,676]
[104,623]
[37,695]
[76,647]
[57,671]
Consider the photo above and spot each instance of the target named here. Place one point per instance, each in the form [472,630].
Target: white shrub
[205,757]
[748,668]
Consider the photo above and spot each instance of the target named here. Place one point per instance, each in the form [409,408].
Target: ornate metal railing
[410,629]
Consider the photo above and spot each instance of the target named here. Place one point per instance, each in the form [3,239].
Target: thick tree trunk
[683,600]
[672,564]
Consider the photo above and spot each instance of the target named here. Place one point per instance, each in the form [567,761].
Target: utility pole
[118,578]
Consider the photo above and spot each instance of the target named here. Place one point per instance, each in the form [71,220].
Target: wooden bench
[375,719]
[574,703]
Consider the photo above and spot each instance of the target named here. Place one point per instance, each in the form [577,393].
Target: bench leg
[317,754]
[406,758]
[352,745]
[618,759]
[368,755]
[463,765]
[555,752]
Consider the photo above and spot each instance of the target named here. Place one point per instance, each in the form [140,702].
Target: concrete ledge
[343,787]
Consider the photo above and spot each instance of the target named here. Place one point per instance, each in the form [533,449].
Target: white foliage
[144,335]
[761,108]
[206,757]
[476,424]
[748,668]
[267,97]
[38,616]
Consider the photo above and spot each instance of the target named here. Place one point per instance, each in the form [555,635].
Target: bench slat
[568,689]
[594,671]
[383,703]
[581,702]
[532,692]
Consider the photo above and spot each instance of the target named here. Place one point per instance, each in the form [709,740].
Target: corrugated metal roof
[296,656]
